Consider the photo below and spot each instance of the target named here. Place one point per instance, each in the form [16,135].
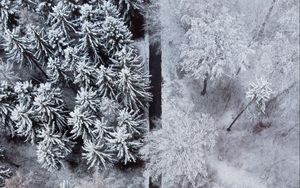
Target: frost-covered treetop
[87,12]
[109,9]
[115,34]
[87,98]
[217,45]
[60,11]
[260,91]
[179,149]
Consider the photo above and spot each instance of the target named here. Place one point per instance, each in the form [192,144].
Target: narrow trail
[156,81]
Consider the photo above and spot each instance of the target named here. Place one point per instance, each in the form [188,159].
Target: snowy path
[230,176]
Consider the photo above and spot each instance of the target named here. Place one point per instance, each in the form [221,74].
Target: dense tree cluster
[73,48]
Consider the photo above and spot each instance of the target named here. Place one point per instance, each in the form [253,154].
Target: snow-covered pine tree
[109,109]
[88,13]
[106,82]
[87,98]
[60,19]
[128,57]
[107,8]
[114,35]
[85,73]
[133,88]
[125,147]
[19,50]
[57,40]
[22,114]
[70,59]
[24,92]
[102,128]
[85,114]
[133,122]
[42,48]
[62,28]
[57,72]
[7,102]
[133,83]
[89,42]
[48,105]
[97,154]
[82,122]
[52,148]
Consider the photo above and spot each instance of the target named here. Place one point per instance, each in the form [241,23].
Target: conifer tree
[87,98]
[23,117]
[133,89]
[97,153]
[61,31]
[114,34]
[7,102]
[19,50]
[260,92]
[109,109]
[57,73]
[42,47]
[89,41]
[124,145]
[102,128]
[106,82]
[49,106]
[82,123]
[52,148]
[59,19]
[132,120]
[107,8]
[85,73]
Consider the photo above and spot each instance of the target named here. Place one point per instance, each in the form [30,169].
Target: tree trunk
[263,25]
[203,92]
[237,117]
